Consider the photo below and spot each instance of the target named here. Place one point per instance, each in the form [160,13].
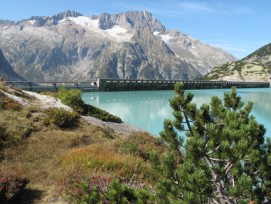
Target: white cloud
[203,7]
[236,50]
[231,47]
[195,7]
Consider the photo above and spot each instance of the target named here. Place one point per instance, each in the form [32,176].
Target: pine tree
[225,158]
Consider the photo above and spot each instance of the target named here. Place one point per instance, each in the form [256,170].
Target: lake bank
[148,109]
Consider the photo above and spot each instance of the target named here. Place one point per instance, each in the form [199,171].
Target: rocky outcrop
[130,45]
[40,21]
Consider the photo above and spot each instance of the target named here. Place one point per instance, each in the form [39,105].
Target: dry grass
[47,155]
[14,126]
[8,104]
[140,145]
[103,160]
[37,155]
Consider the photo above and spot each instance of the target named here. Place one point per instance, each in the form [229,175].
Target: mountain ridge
[131,45]
[254,67]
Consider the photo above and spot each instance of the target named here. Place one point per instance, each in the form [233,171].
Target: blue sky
[237,26]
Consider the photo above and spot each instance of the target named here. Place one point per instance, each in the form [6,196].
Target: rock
[131,45]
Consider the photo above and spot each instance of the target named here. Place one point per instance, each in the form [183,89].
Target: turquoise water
[148,109]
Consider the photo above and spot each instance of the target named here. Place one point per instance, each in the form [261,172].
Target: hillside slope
[52,158]
[254,67]
[6,71]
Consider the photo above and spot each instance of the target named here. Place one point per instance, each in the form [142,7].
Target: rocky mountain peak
[130,45]
[50,20]
[136,20]
[66,14]
[141,19]
[107,21]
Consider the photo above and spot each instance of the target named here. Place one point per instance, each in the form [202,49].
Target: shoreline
[123,127]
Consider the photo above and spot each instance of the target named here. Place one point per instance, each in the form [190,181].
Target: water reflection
[148,109]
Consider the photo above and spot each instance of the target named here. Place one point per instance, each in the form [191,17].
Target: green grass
[73,99]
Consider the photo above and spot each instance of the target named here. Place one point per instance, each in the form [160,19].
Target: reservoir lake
[148,109]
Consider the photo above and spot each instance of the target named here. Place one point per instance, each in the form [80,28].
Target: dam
[132,85]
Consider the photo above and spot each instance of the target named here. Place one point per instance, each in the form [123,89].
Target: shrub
[140,144]
[96,189]
[100,114]
[61,118]
[224,159]
[11,184]
[87,190]
[73,99]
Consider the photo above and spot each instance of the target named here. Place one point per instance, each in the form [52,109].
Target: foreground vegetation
[54,155]
[225,158]
[73,99]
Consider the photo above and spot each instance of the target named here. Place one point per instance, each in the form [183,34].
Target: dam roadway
[133,85]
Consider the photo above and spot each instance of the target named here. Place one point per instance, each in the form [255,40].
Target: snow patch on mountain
[166,38]
[85,22]
[32,22]
[116,33]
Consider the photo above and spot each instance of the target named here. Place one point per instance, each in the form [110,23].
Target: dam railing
[41,86]
[132,85]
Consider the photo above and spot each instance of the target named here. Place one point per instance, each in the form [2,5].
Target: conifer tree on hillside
[225,158]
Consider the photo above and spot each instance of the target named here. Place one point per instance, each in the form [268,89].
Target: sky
[237,26]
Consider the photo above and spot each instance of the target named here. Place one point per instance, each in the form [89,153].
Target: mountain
[6,23]
[130,45]
[262,55]
[6,71]
[254,67]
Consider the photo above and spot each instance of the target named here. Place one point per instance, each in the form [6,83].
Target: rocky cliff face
[131,45]
[6,71]
[203,56]
[254,67]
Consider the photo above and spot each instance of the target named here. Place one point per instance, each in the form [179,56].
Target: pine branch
[188,124]
[222,198]
[221,160]
[228,167]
